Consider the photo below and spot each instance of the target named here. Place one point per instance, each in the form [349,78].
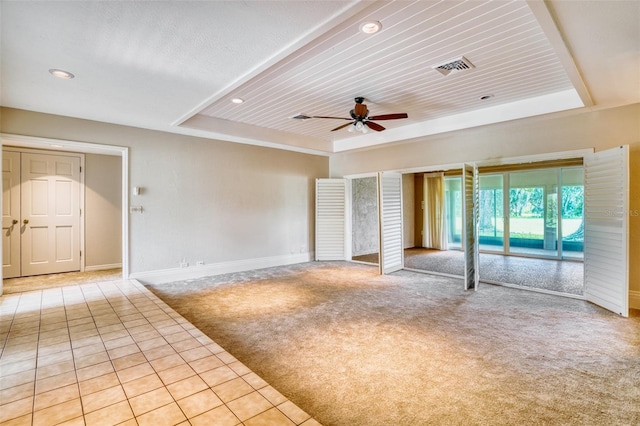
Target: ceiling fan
[361,119]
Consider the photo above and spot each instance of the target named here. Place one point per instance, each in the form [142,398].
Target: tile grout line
[35,371]
[73,357]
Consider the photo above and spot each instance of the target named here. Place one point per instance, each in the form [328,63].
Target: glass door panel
[491,222]
[533,212]
[572,197]
[453,212]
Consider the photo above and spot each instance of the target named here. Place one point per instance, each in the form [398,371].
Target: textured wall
[103,207]
[364,216]
[203,199]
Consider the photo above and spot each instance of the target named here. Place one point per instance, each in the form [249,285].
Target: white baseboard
[634,299]
[102,267]
[178,274]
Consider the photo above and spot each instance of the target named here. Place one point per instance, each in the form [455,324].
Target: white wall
[555,133]
[203,199]
[103,211]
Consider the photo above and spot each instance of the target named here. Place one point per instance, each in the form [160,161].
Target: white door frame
[83,148]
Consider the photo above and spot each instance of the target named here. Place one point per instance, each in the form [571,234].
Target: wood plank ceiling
[393,69]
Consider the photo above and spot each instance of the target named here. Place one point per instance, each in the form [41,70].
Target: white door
[470,215]
[10,214]
[390,207]
[330,219]
[606,252]
[50,210]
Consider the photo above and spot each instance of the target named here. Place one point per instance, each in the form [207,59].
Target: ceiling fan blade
[341,127]
[337,118]
[374,126]
[389,116]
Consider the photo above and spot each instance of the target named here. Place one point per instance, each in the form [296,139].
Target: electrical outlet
[200,263]
[184,263]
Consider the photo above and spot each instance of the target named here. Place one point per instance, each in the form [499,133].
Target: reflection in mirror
[364,220]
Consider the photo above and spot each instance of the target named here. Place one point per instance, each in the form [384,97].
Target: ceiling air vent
[457,65]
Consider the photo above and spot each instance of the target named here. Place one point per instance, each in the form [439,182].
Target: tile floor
[113,353]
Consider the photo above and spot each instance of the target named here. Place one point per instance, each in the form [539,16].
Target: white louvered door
[470,215]
[330,219]
[390,206]
[606,210]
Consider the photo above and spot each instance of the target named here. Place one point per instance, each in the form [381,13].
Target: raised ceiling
[175,66]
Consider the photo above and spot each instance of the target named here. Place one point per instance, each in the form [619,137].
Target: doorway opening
[530,225]
[95,151]
[604,193]
[365,239]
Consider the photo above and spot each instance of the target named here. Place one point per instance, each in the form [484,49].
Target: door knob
[14,221]
[25,221]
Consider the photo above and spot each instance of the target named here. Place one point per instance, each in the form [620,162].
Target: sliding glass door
[453,211]
[491,222]
[572,213]
[537,213]
[533,212]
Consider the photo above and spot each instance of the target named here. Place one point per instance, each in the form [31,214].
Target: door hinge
[80,169]
[80,253]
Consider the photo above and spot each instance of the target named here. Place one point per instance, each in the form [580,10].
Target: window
[572,199]
[453,211]
[533,212]
[491,220]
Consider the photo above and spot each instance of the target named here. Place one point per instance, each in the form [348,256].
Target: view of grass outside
[527,211]
[524,227]
[531,228]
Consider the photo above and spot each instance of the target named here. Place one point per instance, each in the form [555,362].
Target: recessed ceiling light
[237,100]
[61,73]
[56,145]
[370,27]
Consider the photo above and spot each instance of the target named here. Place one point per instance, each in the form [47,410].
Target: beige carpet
[545,274]
[351,347]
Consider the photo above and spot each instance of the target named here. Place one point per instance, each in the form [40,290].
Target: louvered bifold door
[390,207]
[606,254]
[470,210]
[330,219]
